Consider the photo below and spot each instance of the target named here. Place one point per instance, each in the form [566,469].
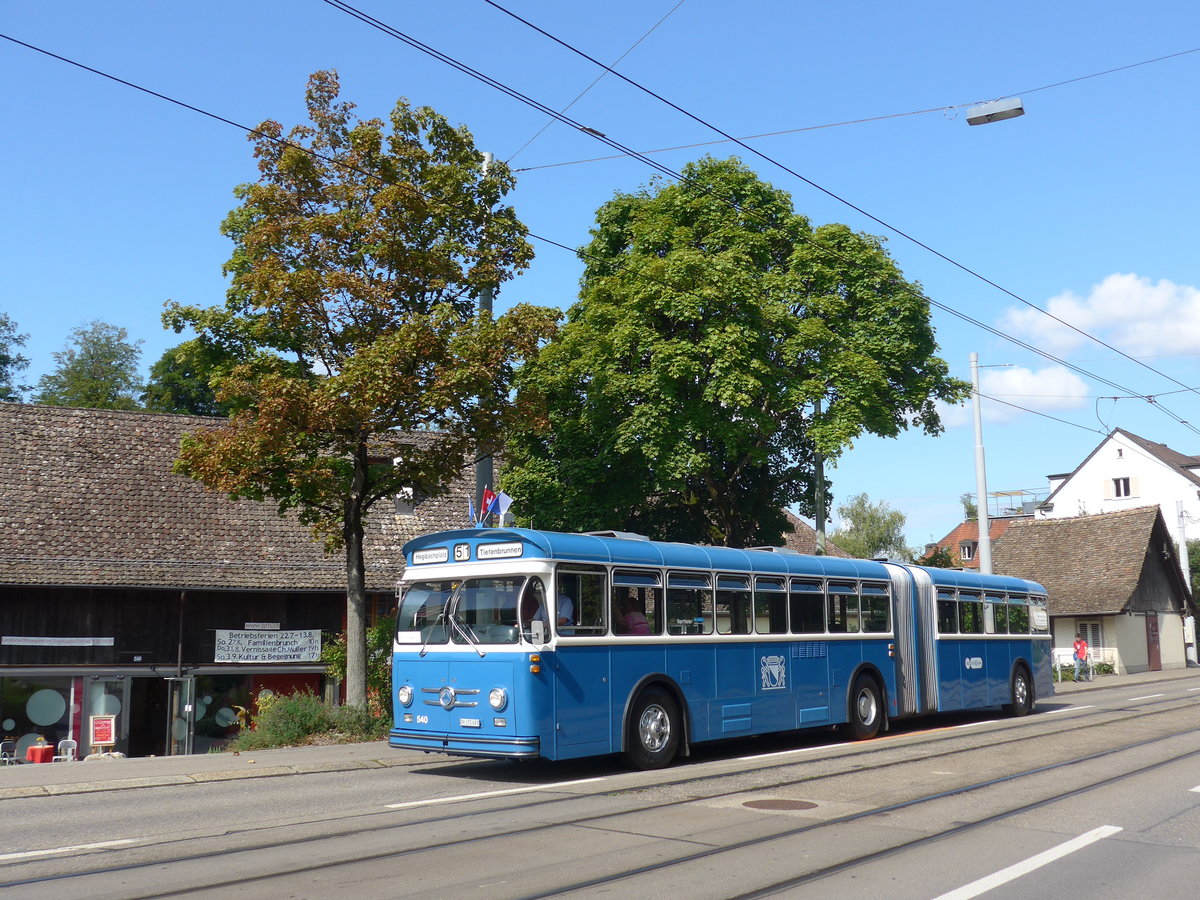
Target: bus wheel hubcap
[1020,691]
[866,707]
[655,728]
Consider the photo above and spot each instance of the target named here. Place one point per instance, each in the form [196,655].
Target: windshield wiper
[465,631]
[442,615]
[432,629]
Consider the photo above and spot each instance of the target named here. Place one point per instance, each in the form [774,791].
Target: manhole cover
[779,804]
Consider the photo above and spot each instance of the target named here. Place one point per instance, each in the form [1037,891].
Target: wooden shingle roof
[1090,565]
[87,498]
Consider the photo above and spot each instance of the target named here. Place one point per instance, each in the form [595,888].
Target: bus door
[583,698]
[905,628]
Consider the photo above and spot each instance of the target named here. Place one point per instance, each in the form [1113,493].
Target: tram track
[850,763]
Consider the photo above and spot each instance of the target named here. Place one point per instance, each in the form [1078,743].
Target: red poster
[104,729]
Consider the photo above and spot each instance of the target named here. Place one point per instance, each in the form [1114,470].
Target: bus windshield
[494,610]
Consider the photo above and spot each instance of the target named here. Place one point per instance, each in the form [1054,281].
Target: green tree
[11,360]
[970,508]
[357,258]
[713,320]
[181,380]
[870,530]
[940,558]
[97,369]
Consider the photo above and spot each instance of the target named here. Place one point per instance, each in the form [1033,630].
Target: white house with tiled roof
[1127,471]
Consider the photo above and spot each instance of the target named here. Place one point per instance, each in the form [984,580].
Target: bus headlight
[404,694]
[498,698]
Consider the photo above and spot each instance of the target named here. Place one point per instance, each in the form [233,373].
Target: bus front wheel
[866,709]
[1021,693]
[656,727]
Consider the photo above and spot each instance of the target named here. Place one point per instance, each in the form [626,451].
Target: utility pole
[819,474]
[981,508]
[484,476]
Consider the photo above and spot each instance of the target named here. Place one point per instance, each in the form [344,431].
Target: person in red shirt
[1081,651]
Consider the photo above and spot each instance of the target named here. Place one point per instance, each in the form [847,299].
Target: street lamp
[995,111]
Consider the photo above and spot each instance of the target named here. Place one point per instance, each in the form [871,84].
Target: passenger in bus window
[566,614]
[632,619]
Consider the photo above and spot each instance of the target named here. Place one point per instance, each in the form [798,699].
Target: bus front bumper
[465,745]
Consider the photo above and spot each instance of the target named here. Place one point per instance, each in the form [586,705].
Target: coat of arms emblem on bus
[774,673]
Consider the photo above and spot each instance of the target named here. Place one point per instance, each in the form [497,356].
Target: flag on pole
[503,502]
[486,504]
[471,511]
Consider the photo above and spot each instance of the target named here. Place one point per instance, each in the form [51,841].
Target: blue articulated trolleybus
[514,643]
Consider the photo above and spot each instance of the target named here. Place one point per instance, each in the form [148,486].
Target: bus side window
[770,606]
[689,603]
[947,613]
[1000,614]
[995,618]
[876,608]
[843,608]
[637,601]
[585,586]
[733,604]
[807,607]
[970,613]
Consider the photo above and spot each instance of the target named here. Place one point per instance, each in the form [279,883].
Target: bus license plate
[468,723]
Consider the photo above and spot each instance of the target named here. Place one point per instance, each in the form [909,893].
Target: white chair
[8,753]
[66,751]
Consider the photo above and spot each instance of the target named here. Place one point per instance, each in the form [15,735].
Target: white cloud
[1052,389]
[1130,312]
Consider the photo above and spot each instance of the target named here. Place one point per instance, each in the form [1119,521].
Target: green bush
[304,718]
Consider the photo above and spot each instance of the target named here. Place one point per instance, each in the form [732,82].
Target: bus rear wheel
[656,728]
[1021,692]
[866,709]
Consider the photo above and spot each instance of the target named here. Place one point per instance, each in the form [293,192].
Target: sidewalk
[88,776]
[1071,687]
[51,779]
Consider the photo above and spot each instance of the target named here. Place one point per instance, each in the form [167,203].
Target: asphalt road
[1096,792]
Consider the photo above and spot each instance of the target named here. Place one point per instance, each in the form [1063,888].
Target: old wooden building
[127,590]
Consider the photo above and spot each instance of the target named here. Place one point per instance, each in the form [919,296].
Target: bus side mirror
[537,631]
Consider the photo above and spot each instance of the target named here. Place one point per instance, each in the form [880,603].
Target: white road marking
[790,752]
[1193,689]
[989,882]
[1195,790]
[1051,712]
[1147,697]
[30,854]
[528,789]
[973,724]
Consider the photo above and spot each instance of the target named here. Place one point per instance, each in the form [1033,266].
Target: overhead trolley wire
[862,121]
[666,170]
[578,253]
[766,158]
[597,79]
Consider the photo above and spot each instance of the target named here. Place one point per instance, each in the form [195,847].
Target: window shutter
[1133,488]
[1109,489]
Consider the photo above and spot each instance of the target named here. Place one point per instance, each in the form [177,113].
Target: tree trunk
[356,588]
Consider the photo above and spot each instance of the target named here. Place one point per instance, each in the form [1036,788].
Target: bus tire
[1021,692]
[655,730]
[866,709]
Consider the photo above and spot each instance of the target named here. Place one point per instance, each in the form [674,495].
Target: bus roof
[632,551]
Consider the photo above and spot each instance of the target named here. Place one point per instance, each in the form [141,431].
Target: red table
[39,753]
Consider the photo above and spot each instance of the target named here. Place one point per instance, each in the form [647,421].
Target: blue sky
[1086,206]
